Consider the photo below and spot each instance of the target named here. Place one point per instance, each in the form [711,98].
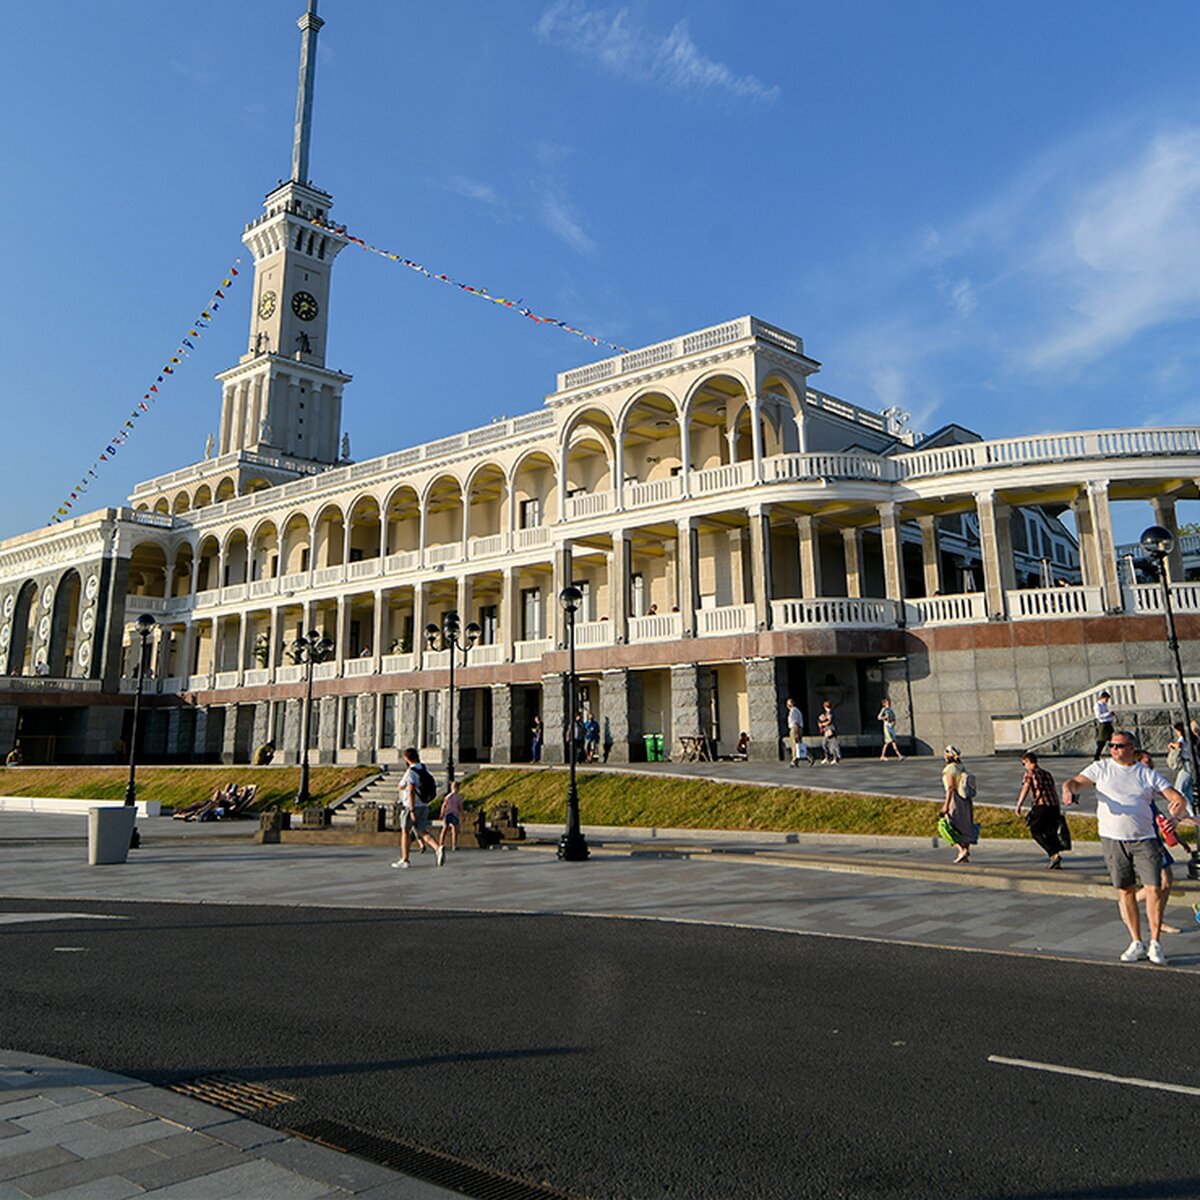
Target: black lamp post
[572,846]
[1158,542]
[453,638]
[146,625]
[310,649]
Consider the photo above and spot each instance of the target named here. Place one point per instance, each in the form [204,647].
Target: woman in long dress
[959,808]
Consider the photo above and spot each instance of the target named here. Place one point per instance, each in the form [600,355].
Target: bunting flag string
[150,396]
[483,293]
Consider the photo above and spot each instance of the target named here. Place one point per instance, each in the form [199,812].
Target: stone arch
[485,496]
[264,550]
[257,484]
[296,545]
[534,477]
[402,519]
[237,557]
[329,537]
[209,554]
[181,572]
[443,506]
[589,453]
[650,435]
[225,491]
[147,570]
[64,624]
[203,497]
[711,411]
[24,630]
[162,505]
[182,502]
[364,529]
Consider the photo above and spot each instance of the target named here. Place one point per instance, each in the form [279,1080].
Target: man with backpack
[418,789]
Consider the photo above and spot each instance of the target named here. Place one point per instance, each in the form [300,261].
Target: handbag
[946,831]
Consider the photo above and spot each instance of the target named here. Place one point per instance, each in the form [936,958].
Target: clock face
[304,306]
[266,304]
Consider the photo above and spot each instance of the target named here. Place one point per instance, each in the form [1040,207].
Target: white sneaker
[1137,950]
[1155,954]
[441,858]
[400,862]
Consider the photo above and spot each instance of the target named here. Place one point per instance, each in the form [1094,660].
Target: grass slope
[609,799]
[173,786]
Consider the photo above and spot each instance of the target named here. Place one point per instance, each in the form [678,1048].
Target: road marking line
[1103,1076]
[18,918]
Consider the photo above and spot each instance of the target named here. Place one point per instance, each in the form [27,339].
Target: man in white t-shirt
[1125,791]
[415,781]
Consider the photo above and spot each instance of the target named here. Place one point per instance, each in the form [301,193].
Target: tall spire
[310,25]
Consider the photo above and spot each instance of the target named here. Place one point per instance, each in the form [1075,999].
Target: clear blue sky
[984,212]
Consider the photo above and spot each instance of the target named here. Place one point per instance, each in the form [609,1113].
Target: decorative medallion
[9,603]
[43,629]
[5,633]
[47,597]
[83,655]
[88,621]
[92,587]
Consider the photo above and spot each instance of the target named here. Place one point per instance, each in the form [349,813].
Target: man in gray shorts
[1125,791]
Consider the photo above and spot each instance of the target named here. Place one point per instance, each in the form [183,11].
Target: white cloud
[553,202]
[673,60]
[485,193]
[196,75]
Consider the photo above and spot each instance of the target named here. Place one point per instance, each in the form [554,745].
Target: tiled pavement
[69,1131]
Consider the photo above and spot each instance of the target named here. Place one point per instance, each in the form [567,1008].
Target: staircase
[1057,722]
[380,789]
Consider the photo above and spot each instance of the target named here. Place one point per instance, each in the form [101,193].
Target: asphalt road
[631,1059]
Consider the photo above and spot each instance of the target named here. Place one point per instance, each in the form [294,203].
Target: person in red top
[1044,810]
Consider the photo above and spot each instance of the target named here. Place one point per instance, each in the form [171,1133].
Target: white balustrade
[263,587]
[149,604]
[257,677]
[293,583]
[662,627]
[405,560]
[173,685]
[956,609]
[357,667]
[781,468]
[293,673]
[179,604]
[233,593]
[1079,709]
[729,478]
[393,664]
[590,504]
[532,650]
[451,552]
[1028,604]
[366,568]
[656,491]
[1147,597]
[435,660]
[325,670]
[729,618]
[843,612]
[486,656]
[526,539]
[593,633]
[226,679]
[208,598]
[486,547]
[48,683]
[326,575]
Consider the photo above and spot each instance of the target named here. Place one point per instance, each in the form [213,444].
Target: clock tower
[281,398]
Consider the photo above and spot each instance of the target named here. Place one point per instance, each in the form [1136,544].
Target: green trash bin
[648,738]
[658,747]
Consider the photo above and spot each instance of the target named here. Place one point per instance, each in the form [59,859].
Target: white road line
[19,918]
[1103,1076]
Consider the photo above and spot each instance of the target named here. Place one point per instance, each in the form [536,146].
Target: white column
[760,563]
[687,557]
[995,538]
[893,565]
[931,556]
[853,550]
[811,583]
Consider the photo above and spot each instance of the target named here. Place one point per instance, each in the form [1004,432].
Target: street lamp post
[1158,542]
[572,846]
[146,625]
[310,649]
[453,638]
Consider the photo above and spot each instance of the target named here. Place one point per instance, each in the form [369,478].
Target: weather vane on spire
[310,24]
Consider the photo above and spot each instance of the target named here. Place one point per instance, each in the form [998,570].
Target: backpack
[426,784]
[965,785]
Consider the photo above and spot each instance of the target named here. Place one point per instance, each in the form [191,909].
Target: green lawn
[609,799]
[173,786]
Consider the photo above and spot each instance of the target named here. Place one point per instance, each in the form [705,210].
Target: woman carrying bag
[959,805]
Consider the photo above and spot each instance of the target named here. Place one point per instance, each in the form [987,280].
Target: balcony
[593,633]
[841,612]
[354,668]
[1034,604]
[367,568]
[258,677]
[394,664]
[959,609]
[487,547]
[728,618]
[662,627]
[532,649]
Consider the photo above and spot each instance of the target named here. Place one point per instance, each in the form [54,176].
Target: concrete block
[109,831]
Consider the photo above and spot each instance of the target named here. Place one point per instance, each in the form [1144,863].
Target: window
[387,719]
[585,605]
[431,718]
[278,723]
[489,623]
[637,586]
[531,514]
[531,614]
[349,722]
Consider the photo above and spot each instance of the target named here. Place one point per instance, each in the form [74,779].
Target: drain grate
[236,1095]
[433,1166]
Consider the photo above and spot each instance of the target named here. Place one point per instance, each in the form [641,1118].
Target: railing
[1147,597]
[141,604]
[728,478]
[783,468]
[366,568]
[451,552]
[211,596]
[263,587]
[255,678]
[661,627]
[296,582]
[1027,604]
[593,633]
[48,683]
[532,650]
[325,670]
[527,539]
[294,673]
[435,660]
[232,593]
[846,612]
[353,668]
[227,679]
[1065,715]
[326,575]
[590,504]
[958,609]
[393,664]
[174,684]
[486,656]
[485,547]
[656,491]
[404,560]
[729,618]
